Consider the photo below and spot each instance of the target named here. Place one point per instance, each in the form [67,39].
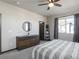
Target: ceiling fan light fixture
[50,4]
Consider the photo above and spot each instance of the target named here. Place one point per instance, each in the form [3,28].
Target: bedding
[56,49]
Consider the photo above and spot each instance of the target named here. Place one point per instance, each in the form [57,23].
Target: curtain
[56,28]
[76,28]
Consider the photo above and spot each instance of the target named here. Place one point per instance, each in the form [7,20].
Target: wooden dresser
[23,42]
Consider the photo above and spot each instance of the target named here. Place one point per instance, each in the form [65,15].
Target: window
[66,24]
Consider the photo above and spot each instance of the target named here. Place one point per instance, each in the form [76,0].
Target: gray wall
[12,20]
[0,32]
[62,36]
[51,23]
[51,26]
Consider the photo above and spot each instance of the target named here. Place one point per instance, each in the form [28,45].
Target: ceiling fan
[51,3]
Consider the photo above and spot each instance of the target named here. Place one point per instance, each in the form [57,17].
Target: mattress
[56,49]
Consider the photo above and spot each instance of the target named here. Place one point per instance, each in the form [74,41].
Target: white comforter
[56,49]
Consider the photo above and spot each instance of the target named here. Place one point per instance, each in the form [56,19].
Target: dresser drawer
[25,42]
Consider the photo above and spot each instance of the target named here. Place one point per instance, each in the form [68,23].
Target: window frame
[65,18]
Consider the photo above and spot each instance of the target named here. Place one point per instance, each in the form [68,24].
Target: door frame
[0,31]
[39,29]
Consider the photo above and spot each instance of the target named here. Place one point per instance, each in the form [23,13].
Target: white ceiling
[32,5]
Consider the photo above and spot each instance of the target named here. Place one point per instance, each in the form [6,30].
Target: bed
[56,49]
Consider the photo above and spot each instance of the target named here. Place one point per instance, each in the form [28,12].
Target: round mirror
[26,26]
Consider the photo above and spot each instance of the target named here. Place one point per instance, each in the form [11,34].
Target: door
[41,30]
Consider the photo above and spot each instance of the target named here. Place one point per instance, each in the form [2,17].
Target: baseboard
[7,51]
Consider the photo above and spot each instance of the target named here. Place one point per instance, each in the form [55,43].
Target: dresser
[23,42]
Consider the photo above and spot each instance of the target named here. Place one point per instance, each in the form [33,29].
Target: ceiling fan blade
[42,4]
[56,0]
[56,4]
[48,8]
[50,1]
